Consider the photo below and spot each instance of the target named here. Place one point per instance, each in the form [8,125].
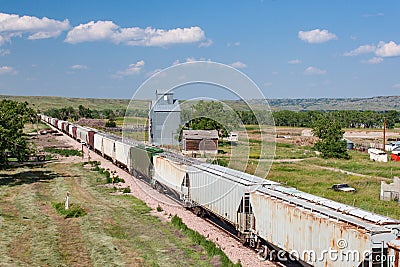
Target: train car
[60,124]
[172,174]
[104,144]
[70,132]
[74,128]
[122,154]
[65,127]
[209,188]
[393,255]
[311,226]
[53,122]
[84,134]
[142,162]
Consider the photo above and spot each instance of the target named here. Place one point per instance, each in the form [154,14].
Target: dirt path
[352,173]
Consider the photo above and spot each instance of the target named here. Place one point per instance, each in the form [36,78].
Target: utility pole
[384,134]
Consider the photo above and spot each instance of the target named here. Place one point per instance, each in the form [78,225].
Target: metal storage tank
[164,119]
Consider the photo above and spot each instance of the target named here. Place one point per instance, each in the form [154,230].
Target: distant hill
[378,103]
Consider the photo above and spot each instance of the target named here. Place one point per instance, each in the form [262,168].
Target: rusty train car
[281,222]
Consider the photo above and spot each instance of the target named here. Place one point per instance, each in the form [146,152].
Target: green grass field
[117,230]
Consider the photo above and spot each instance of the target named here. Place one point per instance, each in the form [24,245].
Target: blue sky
[290,49]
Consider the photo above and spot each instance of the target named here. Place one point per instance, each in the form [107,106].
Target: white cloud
[294,61]
[314,71]
[109,31]
[238,65]
[390,49]
[374,60]
[364,49]
[79,67]
[383,49]
[12,25]
[397,86]
[206,43]
[7,70]
[316,36]
[132,69]
[176,62]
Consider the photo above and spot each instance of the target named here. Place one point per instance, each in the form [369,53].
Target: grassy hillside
[373,103]
[48,102]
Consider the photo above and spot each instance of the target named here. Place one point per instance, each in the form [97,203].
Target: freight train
[281,222]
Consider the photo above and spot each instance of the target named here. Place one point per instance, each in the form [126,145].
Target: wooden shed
[200,142]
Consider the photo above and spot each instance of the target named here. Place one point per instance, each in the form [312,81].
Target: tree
[13,116]
[211,115]
[330,134]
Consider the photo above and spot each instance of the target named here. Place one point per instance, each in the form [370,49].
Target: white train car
[122,154]
[105,145]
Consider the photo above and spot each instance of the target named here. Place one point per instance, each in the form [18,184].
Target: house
[164,119]
[200,142]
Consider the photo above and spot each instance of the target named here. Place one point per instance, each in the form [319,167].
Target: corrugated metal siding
[140,160]
[109,148]
[295,228]
[98,143]
[122,153]
[169,173]
[70,129]
[215,192]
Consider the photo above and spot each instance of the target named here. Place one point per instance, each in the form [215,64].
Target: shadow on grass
[26,177]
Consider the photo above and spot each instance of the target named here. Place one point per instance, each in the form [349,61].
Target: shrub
[126,190]
[159,209]
[74,210]
[63,152]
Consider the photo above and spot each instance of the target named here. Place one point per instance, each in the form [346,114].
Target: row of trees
[13,116]
[69,113]
[346,118]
